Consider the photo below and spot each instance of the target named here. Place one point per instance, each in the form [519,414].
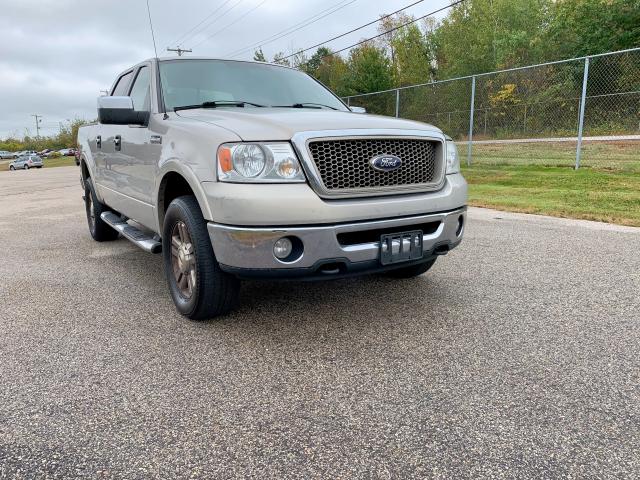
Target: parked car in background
[44,153]
[77,156]
[4,155]
[67,152]
[26,162]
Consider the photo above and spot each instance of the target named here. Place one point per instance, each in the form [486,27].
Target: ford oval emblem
[386,163]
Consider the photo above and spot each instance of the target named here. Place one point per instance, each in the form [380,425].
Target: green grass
[539,178]
[59,162]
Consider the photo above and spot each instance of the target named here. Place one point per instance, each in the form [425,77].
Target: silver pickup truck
[236,170]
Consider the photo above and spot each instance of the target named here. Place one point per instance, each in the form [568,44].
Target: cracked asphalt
[517,355]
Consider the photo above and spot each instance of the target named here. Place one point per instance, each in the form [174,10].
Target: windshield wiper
[306,105]
[217,103]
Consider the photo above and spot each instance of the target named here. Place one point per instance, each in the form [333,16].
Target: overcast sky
[56,55]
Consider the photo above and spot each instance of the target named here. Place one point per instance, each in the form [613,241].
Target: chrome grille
[344,164]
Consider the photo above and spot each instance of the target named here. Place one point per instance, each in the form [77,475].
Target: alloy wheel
[183,260]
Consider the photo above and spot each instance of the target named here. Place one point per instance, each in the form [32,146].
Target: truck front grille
[344,165]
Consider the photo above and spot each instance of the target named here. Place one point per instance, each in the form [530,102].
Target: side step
[141,239]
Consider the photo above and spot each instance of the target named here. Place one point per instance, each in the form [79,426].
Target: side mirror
[358,109]
[119,111]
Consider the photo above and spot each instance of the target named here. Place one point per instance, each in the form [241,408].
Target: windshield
[192,82]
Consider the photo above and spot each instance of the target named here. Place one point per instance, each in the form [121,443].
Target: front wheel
[412,271]
[11,167]
[199,288]
[26,167]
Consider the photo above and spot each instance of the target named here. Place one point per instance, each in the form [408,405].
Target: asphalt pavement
[517,355]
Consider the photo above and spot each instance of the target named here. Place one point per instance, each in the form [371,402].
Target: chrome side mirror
[358,109]
[119,111]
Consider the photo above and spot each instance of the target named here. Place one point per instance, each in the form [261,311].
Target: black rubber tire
[100,230]
[412,271]
[216,292]
[11,167]
[26,167]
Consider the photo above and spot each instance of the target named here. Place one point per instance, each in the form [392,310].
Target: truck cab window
[122,85]
[140,91]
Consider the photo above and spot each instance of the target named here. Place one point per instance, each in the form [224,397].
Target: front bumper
[330,250]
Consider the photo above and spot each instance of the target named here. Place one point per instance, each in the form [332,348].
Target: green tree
[333,72]
[410,54]
[312,65]
[369,70]
[258,56]
[485,35]
[280,59]
[585,27]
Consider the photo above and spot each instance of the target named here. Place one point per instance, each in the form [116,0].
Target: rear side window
[122,85]
[140,91]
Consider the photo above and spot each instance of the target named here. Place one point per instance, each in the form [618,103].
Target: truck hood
[254,124]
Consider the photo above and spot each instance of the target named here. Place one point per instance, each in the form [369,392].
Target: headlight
[453,160]
[258,163]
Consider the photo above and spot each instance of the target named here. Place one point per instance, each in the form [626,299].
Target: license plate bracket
[400,247]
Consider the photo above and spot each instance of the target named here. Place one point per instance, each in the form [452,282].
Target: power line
[383,33]
[212,22]
[294,28]
[230,24]
[184,36]
[355,29]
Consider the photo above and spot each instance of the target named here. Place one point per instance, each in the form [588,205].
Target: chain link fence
[583,111]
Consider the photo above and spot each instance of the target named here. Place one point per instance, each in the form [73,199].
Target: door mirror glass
[119,111]
[358,109]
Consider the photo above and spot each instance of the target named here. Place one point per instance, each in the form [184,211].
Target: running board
[141,239]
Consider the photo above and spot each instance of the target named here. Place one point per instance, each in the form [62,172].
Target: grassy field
[539,178]
[59,162]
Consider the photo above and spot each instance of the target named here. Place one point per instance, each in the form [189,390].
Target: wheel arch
[174,183]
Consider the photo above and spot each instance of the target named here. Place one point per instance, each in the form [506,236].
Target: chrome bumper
[252,248]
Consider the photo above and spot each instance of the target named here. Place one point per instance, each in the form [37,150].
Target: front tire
[26,167]
[412,271]
[99,229]
[11,167]
[199,288]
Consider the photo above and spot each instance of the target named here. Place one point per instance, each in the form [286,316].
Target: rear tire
[11,167]
[412,271]
[26,167]
[99,229]
[199,288]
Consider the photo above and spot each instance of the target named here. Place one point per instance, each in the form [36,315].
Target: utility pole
[179,50]
[38,120]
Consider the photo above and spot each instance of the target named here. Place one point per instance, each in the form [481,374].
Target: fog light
[282,248]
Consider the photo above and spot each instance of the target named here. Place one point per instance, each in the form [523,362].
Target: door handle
[99,141]
[117,142]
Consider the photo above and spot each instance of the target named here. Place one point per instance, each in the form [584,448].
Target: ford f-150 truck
[236,170]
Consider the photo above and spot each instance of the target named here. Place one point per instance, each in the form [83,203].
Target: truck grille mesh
[344,164]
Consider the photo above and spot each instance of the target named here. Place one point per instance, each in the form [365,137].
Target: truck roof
[164,59]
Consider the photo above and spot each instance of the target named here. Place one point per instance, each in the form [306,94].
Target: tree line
[479,36]
[476,36]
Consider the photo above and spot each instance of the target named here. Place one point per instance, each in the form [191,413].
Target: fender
[174,165]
